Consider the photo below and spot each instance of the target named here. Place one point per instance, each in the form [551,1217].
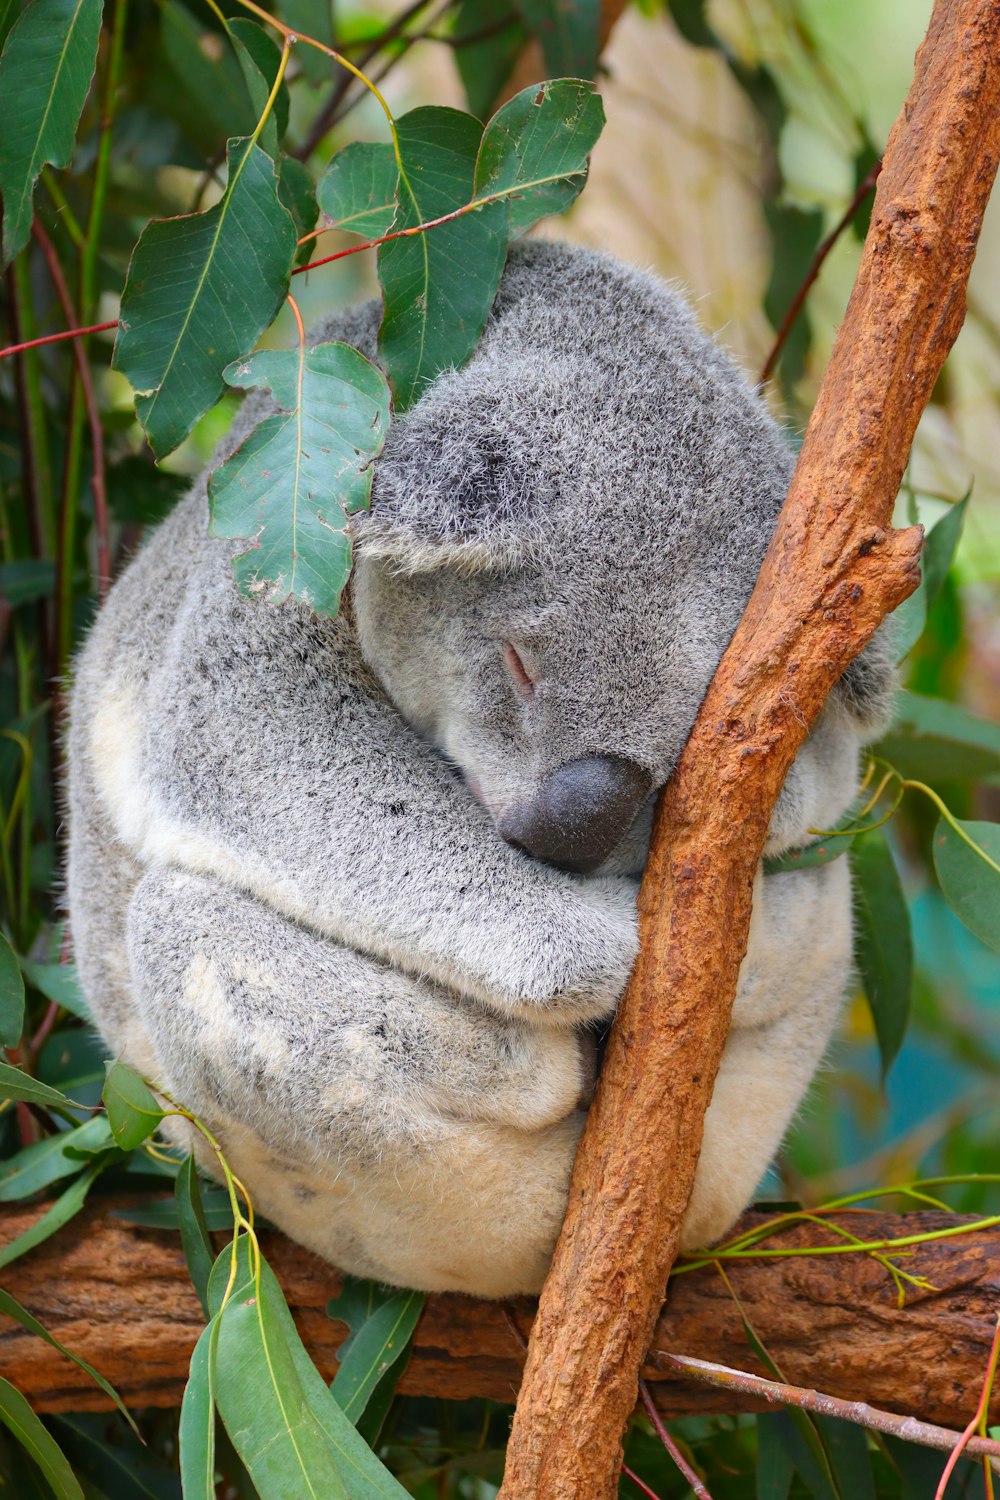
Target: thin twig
[816,265]
[406,43]
[55,338]
[910,1429]
[664,1436]
[97,479]
[967,1438]
[640,1484]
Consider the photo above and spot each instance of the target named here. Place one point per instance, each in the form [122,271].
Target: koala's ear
[450,489]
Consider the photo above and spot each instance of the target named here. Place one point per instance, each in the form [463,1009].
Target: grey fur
[287,904]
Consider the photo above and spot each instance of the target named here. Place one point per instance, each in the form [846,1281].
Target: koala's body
[357,892]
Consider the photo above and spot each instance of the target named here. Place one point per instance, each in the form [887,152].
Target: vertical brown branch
[834,569]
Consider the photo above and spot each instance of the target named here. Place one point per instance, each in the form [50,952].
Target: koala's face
[563,538]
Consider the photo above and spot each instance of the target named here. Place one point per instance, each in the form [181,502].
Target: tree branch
[120,1296]
[834,569]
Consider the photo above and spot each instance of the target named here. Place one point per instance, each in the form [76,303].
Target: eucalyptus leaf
[209,71]
[884,944]
[297,193]
[119,1465]
[312,18]
[438,287]
[132,1109]
[35,1439]
[45,72]
[162,1214]
[200,291]
[15,1083]
[377,1348]
[535,149]
[932,740]
[259,60]
[291,485]
[485,62]
[12,1309]
[775,1467]
[357,192]
[809,856]
[60,1213]
[941,546]
[49,1160]
[58,982]
[197,1423]
[967,862]
[26,580]
[195,1242]
[11,996]
[568,32]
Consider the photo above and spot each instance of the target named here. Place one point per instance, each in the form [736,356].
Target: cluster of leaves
[147,114]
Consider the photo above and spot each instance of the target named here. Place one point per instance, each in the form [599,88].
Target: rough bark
[120,1296]
[835,568]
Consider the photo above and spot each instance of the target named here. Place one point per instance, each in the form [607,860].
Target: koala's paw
[575,971]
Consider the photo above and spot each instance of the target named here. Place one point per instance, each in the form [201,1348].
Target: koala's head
[563,537]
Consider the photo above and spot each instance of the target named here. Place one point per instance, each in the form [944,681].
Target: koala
[361,892]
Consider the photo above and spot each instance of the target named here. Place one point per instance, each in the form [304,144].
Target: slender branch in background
[102,166]
[351,101]
[31,412]
[968,1437]
[56,338]
[909,1429]
[324,119]
[640,1484]
[97,479]
[701,1493]
[815,266]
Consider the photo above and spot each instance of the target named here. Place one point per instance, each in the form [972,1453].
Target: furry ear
[450,489]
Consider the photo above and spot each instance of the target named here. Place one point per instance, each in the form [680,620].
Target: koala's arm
[262,752]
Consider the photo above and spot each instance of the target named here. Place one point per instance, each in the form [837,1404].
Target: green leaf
[437,288]
[291,485]
[312,18]
[45,73]
[210,75]
[117,1463]
[357,192]
[774,1460]
[39,1165]
[940,548]
[264,1325]
[11,996]
[35,1439]
[15,1083]
[931,740]
[819,852]
[485,65]
[60,1213]
[259,60]
[884,944]
[967,863]
[195,1242]
[568,32]
[200,291]
[58,982]
[847,1446]
[13,1309]
[376,1349]
[132,1109]
[535,149]
[163,1214]
[297,193]
[910,619]
[197,1424]
[26,580]
[795,235]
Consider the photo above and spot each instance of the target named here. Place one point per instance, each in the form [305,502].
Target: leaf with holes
[200,291]
[291,485]
[535,149]
[884,944]
[45,73]
[967,861]
[437,287]
[357,192]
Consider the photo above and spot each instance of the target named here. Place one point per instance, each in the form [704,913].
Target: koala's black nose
[580,813]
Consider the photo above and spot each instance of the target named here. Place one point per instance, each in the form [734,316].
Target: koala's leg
[396,1129]
[792,983]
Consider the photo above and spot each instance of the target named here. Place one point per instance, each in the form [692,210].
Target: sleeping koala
[360,892]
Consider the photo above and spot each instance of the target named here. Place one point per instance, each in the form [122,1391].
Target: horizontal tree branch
[119,1295]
